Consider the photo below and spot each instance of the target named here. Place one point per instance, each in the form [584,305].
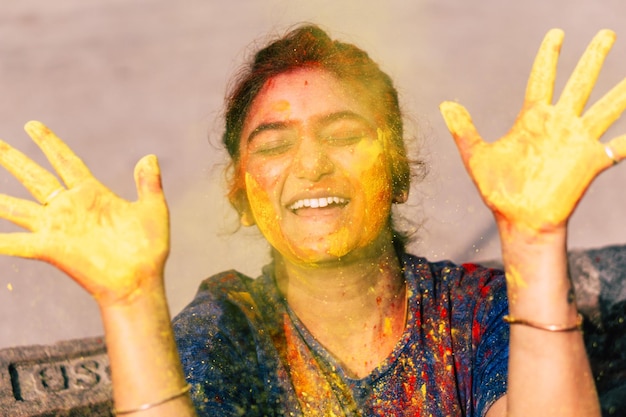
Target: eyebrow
[322,121]
[347,114]
[269,126]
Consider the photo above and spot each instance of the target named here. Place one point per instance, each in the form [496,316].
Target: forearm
[549,372]
[145,366]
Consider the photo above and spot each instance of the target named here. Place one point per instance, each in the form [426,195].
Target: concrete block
[69,378]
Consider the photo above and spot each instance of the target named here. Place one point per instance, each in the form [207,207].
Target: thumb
[148,178]
[461,127]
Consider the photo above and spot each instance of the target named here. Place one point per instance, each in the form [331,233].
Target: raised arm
[116,250]
[532,180]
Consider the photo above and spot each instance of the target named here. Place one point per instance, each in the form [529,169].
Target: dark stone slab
[599,276]
[70,378]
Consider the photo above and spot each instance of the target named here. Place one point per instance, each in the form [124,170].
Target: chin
[314,255]
[331,255]
[331,248]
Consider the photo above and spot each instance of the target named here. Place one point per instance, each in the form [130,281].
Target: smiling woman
[343,322]
[323,145]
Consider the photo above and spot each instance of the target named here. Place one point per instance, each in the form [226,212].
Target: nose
[312,161]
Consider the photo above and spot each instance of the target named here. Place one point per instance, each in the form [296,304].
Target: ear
[239,201]
[400,197]
[246,218]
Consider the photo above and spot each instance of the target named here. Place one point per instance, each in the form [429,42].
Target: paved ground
[121,79]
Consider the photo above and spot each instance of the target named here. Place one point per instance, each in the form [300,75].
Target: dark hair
[309,46]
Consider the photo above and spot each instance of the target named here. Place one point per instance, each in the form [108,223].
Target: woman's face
[315,168]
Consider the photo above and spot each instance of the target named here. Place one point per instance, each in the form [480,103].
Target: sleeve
[491,341]
[218,355]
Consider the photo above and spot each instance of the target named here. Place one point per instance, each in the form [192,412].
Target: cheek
[377,196]
[266,175]
[265,214]
[374,176]
[375,187]
[261,182]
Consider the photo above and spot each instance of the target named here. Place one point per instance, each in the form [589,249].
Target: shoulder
[462,305]
[215,306]
[220,288]
[229,300]
[224,283]
[218,346]
[472,279]
[472,296]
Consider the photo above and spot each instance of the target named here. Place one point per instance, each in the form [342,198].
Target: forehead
[304,96]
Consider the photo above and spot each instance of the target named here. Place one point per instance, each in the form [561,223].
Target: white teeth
[317,202]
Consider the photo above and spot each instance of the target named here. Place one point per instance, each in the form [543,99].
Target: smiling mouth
[317,203]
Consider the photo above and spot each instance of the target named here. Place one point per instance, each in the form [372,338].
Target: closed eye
[270,148]
[344,140]
[273,142]
[345,129]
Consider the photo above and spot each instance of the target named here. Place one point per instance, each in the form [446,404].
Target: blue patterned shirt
[246,354]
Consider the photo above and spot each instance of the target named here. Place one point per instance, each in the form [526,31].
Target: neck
[349,306]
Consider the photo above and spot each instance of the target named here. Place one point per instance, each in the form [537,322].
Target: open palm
[110,246]
[535,175]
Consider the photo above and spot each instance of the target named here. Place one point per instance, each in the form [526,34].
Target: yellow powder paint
[514,278]
[314,392]
[387,326]
[538,191]
[282,106]
[265,216]
[268,221]
[376,188]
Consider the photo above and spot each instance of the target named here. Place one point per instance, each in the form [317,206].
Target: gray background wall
[119,79]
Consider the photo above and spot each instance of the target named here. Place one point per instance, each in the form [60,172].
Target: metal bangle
[53,194]
[577,326]
[145,407]
[609,152]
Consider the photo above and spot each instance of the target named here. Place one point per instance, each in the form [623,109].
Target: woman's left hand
[534,176]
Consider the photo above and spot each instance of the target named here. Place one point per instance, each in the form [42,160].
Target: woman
[343,322]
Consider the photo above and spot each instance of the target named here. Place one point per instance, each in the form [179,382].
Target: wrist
[141,287]
[538,283]
[527,250]
[521,233]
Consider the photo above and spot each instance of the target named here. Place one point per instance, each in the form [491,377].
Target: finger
[24,245]
[65,162]
[581,82]
[540,85]
[460,124]
[606,110]
[148,179]
[20,212]
[38,181]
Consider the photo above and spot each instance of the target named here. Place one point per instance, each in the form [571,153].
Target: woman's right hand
[113,248]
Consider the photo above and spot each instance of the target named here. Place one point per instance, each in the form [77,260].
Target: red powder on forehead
[306,82]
